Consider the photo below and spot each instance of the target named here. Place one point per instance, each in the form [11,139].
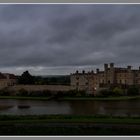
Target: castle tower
[112,74]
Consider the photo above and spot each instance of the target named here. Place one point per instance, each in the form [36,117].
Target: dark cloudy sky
[58,39]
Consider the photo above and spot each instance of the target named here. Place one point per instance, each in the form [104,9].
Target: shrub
[44,93]
[118,91]
[4,92]
[133,90]
[104,93]
[70,93]
[22,92]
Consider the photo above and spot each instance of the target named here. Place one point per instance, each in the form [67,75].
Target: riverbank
[26,98]
[70,118]
[101,98]
[68,125]
[72,98]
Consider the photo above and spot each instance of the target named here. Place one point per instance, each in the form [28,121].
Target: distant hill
[53,79]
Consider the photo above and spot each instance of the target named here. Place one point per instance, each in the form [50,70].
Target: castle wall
[7,82]
[30,88]
[110,76]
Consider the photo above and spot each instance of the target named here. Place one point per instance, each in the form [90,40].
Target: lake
[36,107]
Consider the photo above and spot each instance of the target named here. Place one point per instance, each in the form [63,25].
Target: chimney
[97,70]
[83,72]
[92,71]
[111,65]
[105,66]
[129,67]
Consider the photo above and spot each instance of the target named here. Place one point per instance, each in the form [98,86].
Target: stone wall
[40,87]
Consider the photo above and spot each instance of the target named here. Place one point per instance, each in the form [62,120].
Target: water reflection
[30,107]
[3,107]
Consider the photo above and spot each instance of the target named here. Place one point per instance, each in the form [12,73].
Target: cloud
[56,39]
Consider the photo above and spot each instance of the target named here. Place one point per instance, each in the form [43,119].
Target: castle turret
[129,67]
[111,65]
[83,72]
[105,67]
[97,70]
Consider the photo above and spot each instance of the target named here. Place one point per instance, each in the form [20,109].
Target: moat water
[32,107]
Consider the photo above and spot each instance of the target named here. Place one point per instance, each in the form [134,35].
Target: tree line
[27,79]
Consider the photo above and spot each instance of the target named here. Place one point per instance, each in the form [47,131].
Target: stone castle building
[110,76]
[7,79]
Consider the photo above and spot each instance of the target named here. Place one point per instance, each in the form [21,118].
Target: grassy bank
[25,98]
[68,118]
[68,125]
[72,98]
[101,98]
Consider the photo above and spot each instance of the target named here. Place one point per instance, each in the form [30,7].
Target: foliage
[26,78]
[22,92]
[133,90]
[111,92]
[118,91]
[58,80]
[44,93]
[70,93]
[67,124]
[81,93]
[104,93]
[4,92]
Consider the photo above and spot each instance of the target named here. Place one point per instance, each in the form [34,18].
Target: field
[69,125]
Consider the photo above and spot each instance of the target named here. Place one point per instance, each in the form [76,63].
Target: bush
[22,92]
[44,93]
[81,93]
[71,93]
[4,92]
[118,91]
[104,93]
[133,90]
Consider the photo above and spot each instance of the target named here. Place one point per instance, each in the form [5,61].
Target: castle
[110,76]
[7,79]
[90,82]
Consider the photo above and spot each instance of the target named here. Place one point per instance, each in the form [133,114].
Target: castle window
[120,81]
[77,84]
[86,83]
[108,81]
[77,78]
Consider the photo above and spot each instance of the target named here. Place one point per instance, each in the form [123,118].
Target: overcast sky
[58,39]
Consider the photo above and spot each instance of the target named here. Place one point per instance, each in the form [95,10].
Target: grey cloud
[61,38]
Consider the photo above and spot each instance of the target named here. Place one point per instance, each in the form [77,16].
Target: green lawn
[68,125]
[101,98]
[67,118]
[72,98]
[25,98]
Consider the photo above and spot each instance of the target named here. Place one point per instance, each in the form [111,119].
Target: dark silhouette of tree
[26,78]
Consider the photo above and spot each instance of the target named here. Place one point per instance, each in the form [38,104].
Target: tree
[118,91]
[26,78]
[133,90]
